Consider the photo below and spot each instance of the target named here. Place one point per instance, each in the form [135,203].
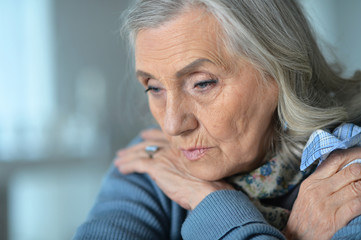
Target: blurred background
[69,101]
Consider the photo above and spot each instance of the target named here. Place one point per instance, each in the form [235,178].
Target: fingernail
[352,162]
[355,169]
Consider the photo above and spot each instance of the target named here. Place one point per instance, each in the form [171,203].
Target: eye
[152,89]
[204,84]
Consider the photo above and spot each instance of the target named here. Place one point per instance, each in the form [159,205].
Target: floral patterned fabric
[273,179]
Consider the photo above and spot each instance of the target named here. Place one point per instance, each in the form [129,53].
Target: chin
[216,173]
[209,175]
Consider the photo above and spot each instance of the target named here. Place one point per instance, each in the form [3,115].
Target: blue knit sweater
[134,207]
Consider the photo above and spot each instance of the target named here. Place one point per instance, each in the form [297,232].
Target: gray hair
[275,36]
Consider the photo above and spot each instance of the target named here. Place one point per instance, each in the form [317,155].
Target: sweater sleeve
[227,214]
[131,207]
[127,207]
[352,231]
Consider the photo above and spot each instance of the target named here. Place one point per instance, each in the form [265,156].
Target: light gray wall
[88,46]
[337,25]
[348,38]
[98,109]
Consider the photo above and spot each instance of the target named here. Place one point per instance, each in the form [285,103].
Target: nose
[179,117]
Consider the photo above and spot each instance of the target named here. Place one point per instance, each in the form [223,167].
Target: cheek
[156,110]
[222,121]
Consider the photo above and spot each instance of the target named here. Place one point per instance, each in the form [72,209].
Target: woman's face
[212,107]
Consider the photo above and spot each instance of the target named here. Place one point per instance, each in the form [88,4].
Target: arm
[218,214]
[131,207]
[327,201]
[127,207]
[227,214]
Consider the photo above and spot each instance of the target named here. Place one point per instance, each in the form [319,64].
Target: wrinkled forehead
[192,34]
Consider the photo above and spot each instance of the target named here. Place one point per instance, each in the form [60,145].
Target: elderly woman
[237,88]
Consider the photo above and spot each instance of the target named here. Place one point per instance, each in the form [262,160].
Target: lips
[194,154]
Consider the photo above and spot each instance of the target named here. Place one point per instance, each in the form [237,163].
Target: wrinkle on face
[165,42]
[234,118]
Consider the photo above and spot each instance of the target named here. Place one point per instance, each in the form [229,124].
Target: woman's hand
[166,170]
[328,199]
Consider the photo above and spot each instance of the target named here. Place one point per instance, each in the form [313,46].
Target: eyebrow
[184,71]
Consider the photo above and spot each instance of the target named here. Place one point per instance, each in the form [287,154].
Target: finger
[133,148]
[336,161]
[140,147]
[153,134]
[138,151]
[344,177]
[345,194]
[130,156]
[143,164]
[138,165]
[352,208]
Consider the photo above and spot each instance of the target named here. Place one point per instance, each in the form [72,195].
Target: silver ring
[150,150]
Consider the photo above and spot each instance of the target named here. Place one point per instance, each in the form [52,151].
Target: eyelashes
[201,86]
[152,89]
[205,84]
